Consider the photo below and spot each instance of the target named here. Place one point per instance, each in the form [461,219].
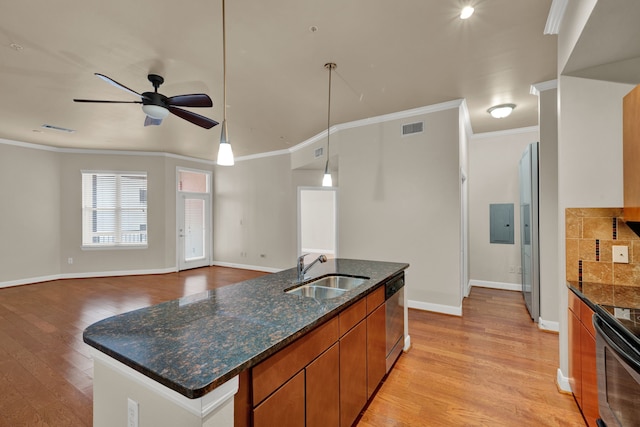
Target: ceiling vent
[412,128]
[58,128]
[319,152]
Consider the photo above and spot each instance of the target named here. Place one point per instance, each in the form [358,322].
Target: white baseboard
[438,308]
[247,267]
[86,275]
[407,343]
[563,382]
[38,279]
[548,325]
[496,285]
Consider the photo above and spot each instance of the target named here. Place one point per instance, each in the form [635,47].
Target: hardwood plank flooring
[46,373]
[491,367]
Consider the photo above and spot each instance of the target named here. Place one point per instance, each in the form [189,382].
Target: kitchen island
[177,363]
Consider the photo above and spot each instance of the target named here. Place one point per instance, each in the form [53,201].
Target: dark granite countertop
[196,343]
[606,294]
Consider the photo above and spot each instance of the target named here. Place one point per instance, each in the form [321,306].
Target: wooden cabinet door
[589,383]
[323,389]
[575,357]
[353,373]
[631,154]
[376,349]
[285,407]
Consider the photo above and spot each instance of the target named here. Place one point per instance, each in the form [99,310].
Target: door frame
[208,217]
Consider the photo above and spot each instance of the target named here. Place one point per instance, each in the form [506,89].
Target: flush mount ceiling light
[466,13]
[501,111]
[225,154]
[326,180]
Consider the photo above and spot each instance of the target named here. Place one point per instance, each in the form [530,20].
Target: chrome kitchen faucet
[301,267]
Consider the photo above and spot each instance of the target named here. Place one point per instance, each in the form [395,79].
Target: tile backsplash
[590,235]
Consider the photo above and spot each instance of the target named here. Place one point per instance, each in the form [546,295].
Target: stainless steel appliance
[529,230]
[618,365]
[394,310]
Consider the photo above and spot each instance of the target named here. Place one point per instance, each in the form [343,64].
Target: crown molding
[536,88]
[554,19]
[507,132]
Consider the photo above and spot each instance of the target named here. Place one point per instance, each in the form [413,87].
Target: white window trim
[113,246]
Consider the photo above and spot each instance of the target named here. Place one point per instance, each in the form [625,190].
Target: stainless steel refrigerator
[529,230]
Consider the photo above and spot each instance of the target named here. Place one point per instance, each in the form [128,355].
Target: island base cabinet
[376,349]
[323,386]
[353,373]
[285,407]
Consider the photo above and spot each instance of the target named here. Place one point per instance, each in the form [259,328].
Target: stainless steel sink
[317,292]
[339,282]
[328,287]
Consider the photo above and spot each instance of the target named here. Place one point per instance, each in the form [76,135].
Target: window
[114,209]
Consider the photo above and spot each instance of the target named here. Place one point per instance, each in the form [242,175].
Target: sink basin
[339,282]
[328,287]
[317,292]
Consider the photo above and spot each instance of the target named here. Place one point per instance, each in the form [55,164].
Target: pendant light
[225,154]
[326,180]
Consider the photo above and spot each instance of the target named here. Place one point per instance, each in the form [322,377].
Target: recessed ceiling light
[466,13]
[501,111]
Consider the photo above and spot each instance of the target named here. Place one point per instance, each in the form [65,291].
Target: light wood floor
[492,367]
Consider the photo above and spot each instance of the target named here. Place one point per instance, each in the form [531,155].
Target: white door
[193,219]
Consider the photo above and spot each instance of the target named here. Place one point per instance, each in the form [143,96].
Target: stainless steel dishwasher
[394,308]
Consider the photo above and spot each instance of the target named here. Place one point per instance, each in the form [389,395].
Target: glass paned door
[193,220]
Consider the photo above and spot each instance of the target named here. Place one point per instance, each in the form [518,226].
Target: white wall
[589,161]
[494,178]
[399,200]
[255,213]
[29,213]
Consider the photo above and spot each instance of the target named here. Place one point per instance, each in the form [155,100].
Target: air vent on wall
[412,128]
[319,152]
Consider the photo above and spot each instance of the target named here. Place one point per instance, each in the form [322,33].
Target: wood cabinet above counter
[631,157]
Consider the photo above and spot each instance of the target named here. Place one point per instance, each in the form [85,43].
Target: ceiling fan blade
[194,118]
[107,102]
[193,100]
[118,85]
[150,121]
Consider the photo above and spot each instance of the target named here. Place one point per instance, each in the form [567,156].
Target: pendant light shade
[326,179]
[225,153]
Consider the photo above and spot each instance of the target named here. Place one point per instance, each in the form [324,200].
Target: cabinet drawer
[277,369]
[586,317]
[284,408]
[574,303]
[352,315]
[374,299]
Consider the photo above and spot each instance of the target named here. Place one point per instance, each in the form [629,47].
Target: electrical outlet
[70,260]
[132,413]
[620,254]
[622,313]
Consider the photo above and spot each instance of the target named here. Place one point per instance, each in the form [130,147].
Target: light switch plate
[620,254]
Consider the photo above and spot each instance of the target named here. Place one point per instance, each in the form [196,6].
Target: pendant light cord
[330,66]
[224,66]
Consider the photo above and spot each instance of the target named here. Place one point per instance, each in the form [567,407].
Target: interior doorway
[193,218]
[317,221]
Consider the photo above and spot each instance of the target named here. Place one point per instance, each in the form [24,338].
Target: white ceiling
[391,56]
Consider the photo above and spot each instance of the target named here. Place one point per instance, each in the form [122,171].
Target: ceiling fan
[157,106]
